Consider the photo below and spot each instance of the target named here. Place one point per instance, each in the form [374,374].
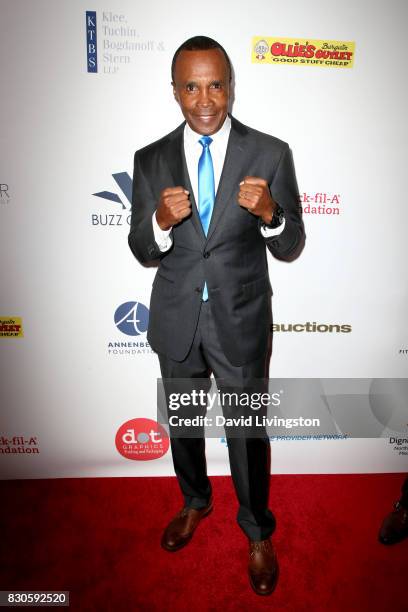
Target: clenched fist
[174,206]
[254,195]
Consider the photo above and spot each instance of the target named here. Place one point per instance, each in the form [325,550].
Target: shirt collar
[192,137]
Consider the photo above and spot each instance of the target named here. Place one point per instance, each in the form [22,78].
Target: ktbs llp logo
[91,42]
[132,320]
[119,41]
[142,440]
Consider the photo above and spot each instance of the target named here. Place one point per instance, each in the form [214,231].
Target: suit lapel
[175,157]
[232,174]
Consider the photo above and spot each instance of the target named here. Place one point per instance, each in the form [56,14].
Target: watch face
[277,219]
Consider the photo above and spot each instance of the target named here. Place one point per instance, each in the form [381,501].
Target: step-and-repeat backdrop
[84,86]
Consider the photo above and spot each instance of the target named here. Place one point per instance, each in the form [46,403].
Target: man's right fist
[174,206]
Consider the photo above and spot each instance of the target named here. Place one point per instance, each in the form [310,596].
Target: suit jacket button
[206,254]
[198,290]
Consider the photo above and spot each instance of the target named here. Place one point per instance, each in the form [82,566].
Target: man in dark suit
[207,199]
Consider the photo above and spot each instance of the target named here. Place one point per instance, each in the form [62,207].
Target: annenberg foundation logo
[142,440]
[131,319]
[11,327]
[303,52]
[314,327]
[110,36]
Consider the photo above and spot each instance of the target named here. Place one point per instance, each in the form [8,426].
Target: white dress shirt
[192,151]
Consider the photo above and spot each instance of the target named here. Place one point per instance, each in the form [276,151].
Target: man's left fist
[254,195]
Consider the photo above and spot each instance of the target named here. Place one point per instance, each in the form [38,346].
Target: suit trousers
[249,456]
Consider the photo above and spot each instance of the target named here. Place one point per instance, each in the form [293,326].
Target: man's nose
[204,98]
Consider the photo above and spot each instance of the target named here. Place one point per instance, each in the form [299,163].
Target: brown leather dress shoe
[263,567]
[180,530]
[395,526]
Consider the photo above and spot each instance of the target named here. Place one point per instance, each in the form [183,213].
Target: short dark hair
[200,43]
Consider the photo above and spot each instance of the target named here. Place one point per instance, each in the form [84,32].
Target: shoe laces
[263,545]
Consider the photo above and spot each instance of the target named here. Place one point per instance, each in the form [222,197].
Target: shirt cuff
[268,232]
[162,237]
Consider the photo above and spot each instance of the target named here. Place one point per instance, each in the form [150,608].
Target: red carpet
[99,539]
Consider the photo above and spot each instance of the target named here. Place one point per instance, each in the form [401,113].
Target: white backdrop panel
[65,133]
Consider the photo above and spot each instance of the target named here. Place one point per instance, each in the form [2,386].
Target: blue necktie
[206,190]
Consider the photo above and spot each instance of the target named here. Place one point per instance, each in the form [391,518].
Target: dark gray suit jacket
[231,259]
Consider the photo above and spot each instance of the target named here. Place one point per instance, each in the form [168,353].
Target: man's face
[202,88]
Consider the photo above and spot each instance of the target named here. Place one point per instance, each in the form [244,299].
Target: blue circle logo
[132,318]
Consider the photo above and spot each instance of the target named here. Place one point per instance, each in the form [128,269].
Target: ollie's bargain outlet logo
[11,327]
[302,52]
[142,440]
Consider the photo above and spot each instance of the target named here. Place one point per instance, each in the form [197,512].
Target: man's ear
[174,91]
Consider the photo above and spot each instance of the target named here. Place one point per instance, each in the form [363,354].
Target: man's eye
[191,87]
[216,85]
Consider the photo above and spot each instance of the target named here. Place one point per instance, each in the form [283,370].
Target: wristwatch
[277,219]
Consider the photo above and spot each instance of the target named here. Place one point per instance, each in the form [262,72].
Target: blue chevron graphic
[124,182]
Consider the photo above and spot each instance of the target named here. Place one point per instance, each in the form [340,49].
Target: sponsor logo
[320,203]
[131,319]
[261,48]
[118,42]
[312,327]
[301,438]
[91,42]
[400,445]
[398,441]
[19,445]
[11,327]
[4,193]
[124,182]
[303,52]
[142,440]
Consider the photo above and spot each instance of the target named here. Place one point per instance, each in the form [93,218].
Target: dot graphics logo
[142,440]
